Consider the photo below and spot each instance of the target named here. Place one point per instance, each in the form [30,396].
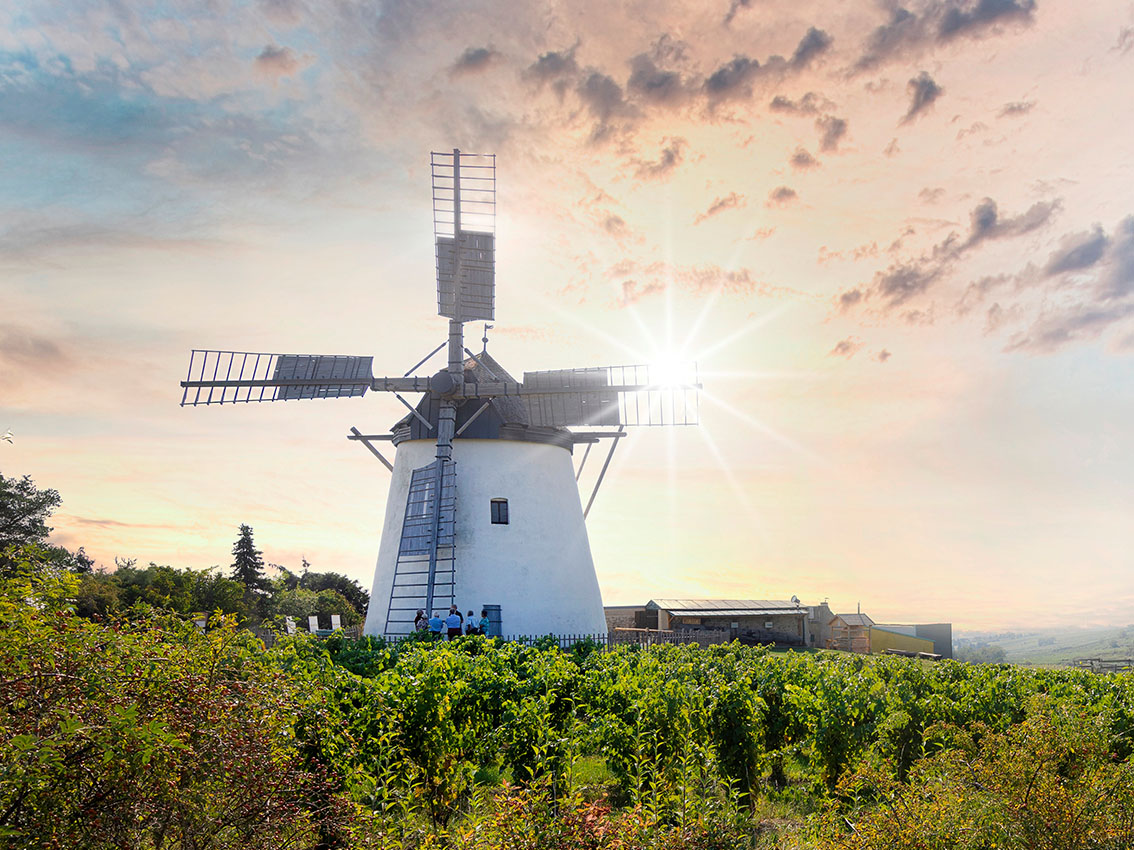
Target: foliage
[1052,782]
[347,589]
[141,730]
[148,733]
[24,511]
[301,602]
[985,654]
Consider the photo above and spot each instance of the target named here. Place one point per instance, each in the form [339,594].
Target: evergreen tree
[248,566]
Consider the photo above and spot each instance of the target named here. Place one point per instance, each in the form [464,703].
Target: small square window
[500,511]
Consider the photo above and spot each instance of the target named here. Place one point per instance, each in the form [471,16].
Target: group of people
[452,625]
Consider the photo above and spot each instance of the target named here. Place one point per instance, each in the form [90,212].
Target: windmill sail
[231,377]
[424,574]
[612,396]
[464,226]
[573,397]
[478,276]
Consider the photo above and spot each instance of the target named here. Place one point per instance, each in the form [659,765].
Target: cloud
[845,348]
[733,7]
[892,149]
[653,84]
[908,33]
[831,130]
[696,280]
[1019,107]
[891,38]
[733,79]
[810,104]
[603,97]
[781,196]
[958,20]
[1125,40]
[801,160]
[986,222]
[813,43]
[616,226]
[1118,282]
[902,281]
[633,291]
[882,356]
[670,158]
[472,60]
[850,298]
[908,279]
[277,62]
[554,68]
[1078,251]
[1078,323]
[719,205]
[24,349]
[931,195]
[923,91]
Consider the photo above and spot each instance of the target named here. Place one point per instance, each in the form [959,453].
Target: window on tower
[499,511]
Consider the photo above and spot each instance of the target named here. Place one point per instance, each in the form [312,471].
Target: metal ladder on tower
[425,572]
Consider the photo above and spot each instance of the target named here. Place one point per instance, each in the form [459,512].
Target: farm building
[883,639]
[939,634]
[850,633]
[770,620]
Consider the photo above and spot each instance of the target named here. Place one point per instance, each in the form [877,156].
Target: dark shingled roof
[505,419]
[854,619]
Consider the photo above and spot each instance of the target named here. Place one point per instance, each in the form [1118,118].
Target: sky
[897,239]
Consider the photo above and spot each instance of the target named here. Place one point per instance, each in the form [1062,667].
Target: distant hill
[1051,647]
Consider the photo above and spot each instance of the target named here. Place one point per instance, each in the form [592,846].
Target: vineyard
[147,732]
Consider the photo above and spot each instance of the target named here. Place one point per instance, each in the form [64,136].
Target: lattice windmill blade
[613,396]
[232,377]
[464,226]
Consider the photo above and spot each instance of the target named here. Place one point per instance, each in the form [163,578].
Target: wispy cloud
[923,92]
[727,202]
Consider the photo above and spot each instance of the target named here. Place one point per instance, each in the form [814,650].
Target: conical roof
[506,417]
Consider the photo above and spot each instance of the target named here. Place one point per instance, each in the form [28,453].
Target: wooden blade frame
[464,226]
[612,396]
[232,377]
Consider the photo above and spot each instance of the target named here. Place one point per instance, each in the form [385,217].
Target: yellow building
[882,639]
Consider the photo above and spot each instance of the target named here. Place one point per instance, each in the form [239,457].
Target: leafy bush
[147,733]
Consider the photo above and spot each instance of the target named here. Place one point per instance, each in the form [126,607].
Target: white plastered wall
[537,568]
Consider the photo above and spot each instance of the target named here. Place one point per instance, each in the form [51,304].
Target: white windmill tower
[484,508]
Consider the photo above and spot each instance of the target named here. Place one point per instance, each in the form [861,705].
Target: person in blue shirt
[436,624]
[453,623]
[484,622]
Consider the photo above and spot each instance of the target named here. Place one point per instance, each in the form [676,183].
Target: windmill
[484,508]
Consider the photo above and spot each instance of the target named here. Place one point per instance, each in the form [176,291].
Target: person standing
[420,621]
[470,625]
[484,622]
[453,623]
[436,624]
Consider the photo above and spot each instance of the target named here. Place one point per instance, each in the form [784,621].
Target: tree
[24,511]
[248,566]
[302,603]
[349,589]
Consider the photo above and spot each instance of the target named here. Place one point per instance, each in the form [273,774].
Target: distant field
[1052,646]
